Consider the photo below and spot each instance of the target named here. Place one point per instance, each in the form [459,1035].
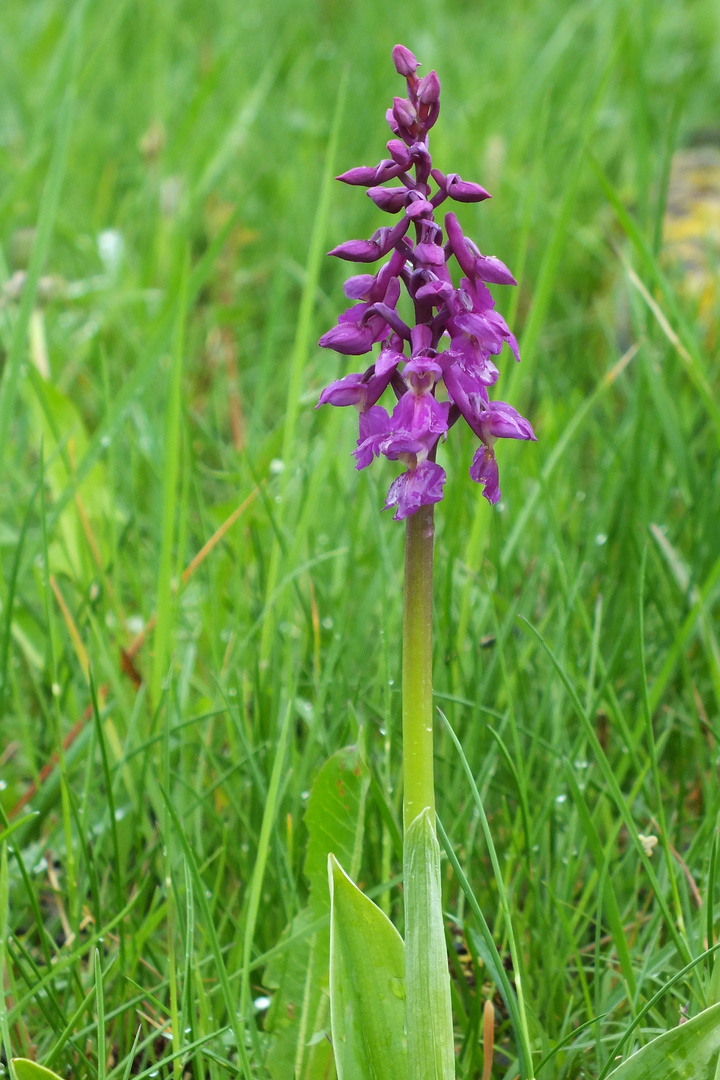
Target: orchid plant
[390,999]
[439,369]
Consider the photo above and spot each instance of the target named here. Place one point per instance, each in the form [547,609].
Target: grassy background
[160,370]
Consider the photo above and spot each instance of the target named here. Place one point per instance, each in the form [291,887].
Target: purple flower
[439,368]
[415,488]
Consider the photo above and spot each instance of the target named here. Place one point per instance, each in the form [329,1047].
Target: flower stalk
[417,707]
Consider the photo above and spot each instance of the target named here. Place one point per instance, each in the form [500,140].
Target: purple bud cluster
[440,369]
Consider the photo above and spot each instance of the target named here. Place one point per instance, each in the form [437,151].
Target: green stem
[430,1045]
[417,667]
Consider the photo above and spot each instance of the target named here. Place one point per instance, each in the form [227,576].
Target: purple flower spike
[455,331]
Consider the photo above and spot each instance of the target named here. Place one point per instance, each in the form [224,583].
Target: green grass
[577,656]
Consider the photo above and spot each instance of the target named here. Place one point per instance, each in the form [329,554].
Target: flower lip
[417,487]
[422,372]
[484,470]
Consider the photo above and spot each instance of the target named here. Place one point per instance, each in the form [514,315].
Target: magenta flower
[456,329]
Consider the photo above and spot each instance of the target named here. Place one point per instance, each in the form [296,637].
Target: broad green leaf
[299,1017]
[367,985]
[334,822]
[431,1049]
[30,1070]
[687,1052]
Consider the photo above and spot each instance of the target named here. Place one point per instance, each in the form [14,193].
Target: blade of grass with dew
[52,653]
[610,779]
[236,1026]
[4,910]
[495,966]
[171,466]
[100,1006]
[652,749]
[611,905]
[9,601]
[256,882]
[67,1034]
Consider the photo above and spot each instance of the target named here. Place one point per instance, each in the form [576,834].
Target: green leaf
[334,822]
[367,985]
[431,1048]
[299,1017]
[688,1052]
[30,1070]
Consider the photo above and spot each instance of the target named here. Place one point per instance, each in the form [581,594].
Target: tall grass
[160,371]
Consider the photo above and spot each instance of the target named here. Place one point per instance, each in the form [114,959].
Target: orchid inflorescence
[465,315]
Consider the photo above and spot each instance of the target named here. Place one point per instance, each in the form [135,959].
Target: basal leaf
[687,1052]
[30,1070]
[429,1013]
[367,985]
[298,1021]
[333,819]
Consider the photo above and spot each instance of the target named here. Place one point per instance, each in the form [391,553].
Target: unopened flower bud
[428,91]
[357,251]
[399,152]
[389,199]
[404,61]
[465,190]
[348,338]
[404,112]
